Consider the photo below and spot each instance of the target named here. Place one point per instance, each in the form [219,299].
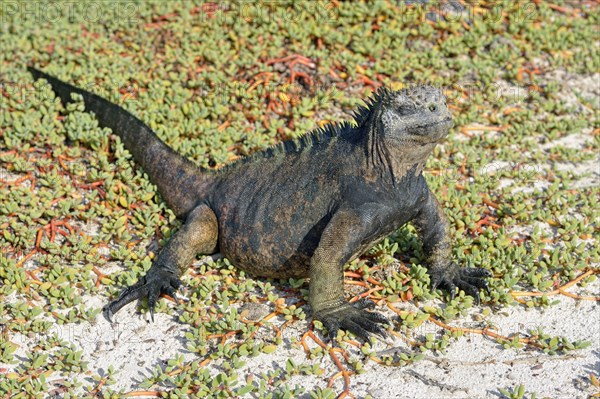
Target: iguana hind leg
[343,235]
[198,235]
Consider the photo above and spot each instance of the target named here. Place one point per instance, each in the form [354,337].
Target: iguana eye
[433,107]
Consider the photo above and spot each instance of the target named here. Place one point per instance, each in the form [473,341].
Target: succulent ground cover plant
[78,220]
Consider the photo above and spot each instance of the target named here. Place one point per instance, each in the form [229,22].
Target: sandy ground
[473,367]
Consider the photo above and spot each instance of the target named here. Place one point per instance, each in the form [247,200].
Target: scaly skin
[303,208]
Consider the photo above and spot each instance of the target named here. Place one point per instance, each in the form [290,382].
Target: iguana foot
[471,280]
[156,282]
[352,318]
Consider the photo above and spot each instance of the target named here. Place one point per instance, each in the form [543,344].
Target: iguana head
[418,115]
[402,127]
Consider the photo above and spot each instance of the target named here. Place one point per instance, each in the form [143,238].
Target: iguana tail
[179,181]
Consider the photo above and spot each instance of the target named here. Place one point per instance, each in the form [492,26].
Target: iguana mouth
[428,125]
[405,140]
[435,129]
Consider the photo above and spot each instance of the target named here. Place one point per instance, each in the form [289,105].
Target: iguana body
[303,208]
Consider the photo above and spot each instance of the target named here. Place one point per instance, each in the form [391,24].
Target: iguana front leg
[433,228]
[198,235]
[339,241]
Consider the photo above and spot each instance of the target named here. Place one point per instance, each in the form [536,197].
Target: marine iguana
[302,208]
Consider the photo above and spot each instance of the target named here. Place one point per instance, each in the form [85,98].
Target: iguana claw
[470,280]
[158,281]
[353,318]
